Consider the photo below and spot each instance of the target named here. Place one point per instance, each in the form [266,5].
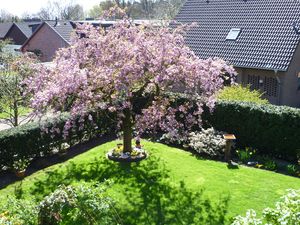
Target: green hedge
[29,141]
[273,130]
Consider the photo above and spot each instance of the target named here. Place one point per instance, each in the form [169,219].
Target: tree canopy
[143,9]
[14,69]
[110,69]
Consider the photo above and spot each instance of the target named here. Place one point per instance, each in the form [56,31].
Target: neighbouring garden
[164,113]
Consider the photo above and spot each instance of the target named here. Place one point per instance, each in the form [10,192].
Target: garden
[137,136]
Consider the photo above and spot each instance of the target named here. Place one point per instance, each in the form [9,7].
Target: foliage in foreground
[240,93]
[286,212]
[83,204]
[18,211]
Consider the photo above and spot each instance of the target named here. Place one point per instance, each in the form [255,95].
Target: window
[233,34]
[270,87]
[267,85]
[254,82]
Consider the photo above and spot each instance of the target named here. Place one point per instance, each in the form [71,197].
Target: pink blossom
[109,69]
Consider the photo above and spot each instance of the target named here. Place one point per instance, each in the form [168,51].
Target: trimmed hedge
[273,130]
[29,141]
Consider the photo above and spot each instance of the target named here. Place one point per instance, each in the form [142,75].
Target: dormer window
[233,34]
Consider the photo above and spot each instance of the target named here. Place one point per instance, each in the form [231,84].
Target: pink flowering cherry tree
[111,69]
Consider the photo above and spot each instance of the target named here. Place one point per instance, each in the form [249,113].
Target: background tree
[97,10]
[143,9]
[7,17]
[167,9]
[13,70]
[66,10]
[114,69]
[72,12]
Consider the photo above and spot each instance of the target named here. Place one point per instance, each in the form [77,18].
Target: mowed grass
[22,112]
[247,188]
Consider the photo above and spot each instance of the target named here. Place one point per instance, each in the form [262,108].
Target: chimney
[56,22]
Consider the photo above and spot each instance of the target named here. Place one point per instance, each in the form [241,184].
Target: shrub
[293,170]
[209,142]
[21,164]
[18,211]
[287,211]
[270,165]
[267,162]
[249,219]
[245,155]
[240,93]
[29,141]
[270,129]
[84,204]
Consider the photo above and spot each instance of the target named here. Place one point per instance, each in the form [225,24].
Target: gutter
[279,87]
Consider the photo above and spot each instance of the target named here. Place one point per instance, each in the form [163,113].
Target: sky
[20,7]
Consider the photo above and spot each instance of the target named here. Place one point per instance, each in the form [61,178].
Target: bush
[249,219]
[30,141]
[208,142]
[18,211]
[84,204]
[287,211]
[293,170]
[267,162]
[272,130]
[245,155]
[240,93]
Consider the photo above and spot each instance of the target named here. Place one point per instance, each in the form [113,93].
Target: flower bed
[137,154]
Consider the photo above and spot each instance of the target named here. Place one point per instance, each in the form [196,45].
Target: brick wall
[47,41]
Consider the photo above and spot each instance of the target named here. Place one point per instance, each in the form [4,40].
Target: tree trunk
[16,114]
[127,131]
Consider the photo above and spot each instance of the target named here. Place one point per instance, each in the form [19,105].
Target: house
[4,27]
[48,38]
[18,33]
[259,37]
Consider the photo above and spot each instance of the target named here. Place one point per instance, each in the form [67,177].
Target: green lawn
[139,189]
[22,112]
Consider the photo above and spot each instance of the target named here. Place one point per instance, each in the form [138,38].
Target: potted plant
[20,167]
[63,149]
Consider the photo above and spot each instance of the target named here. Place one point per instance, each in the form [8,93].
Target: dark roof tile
[4,27]
[267,39]
[63,28]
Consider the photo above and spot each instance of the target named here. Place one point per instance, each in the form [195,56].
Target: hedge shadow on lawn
[8,177]
[149,195]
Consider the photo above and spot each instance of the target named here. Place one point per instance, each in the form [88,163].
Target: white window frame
[233,34]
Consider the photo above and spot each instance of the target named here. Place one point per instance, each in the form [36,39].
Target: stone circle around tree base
[136,155]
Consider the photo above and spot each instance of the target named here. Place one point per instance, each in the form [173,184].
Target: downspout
[279,87]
